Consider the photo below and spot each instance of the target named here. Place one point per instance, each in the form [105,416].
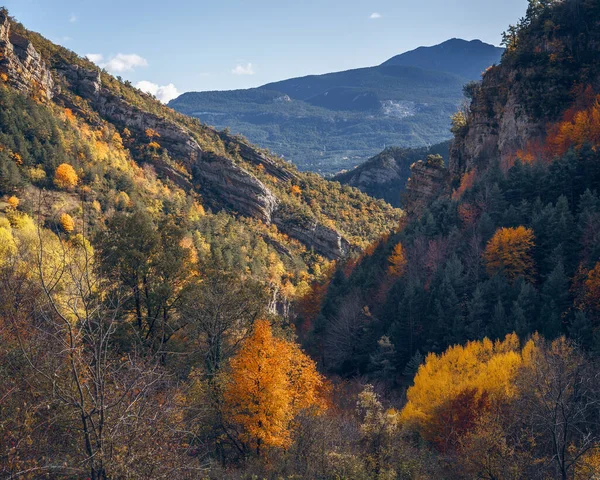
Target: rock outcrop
[429,180]
[20,63]
[498,126]
[385,175]
[219,176]
[251,155]
[323,240]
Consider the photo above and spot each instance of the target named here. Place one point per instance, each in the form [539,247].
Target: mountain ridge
[330,122]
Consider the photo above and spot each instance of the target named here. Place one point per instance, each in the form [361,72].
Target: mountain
[327,123]
[460,57]
[385,175]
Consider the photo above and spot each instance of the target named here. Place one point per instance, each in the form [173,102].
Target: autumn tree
[510,252]
[591,296]
[272,380]
[453,389]
[397,262]
[67,223]
[13,201]
[65,176]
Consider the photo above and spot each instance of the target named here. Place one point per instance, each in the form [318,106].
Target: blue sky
[177,46]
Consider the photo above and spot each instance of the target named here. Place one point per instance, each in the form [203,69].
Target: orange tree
[272,381]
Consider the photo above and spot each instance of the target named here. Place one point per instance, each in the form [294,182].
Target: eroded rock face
[498,126]
[428,181]
[217,177]
[22,64]
[256,157]
[224,179]
[324,240]
[240,190]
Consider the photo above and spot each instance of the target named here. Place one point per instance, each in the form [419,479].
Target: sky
[175,46]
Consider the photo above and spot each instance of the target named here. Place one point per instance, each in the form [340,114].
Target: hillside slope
[217,170]
[326,123]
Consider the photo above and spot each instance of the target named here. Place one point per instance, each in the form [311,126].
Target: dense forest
[175,302]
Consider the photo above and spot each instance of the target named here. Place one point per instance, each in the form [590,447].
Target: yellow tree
[272,380]
[510,252]
[453,389]
[67,223]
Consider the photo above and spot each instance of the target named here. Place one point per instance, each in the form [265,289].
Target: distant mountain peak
[467,58]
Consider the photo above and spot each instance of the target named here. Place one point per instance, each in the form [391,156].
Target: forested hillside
[139,248]
[508,245]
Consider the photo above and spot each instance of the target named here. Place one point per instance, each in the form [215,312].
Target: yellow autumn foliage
[483,366]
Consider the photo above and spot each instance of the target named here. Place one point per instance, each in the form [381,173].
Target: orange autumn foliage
[397,262]
[576,130]
[510,252]
[592,289]
[13,202]
[272,381]
[65,176]
[295,190]
[466,182]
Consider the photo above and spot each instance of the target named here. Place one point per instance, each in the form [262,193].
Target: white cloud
[375,16]
[96,58]
[243,70]
[125,62]
[164,93]
[72,18]
[121,62]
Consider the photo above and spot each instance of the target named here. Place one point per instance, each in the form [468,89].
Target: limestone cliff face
[497,125]
[217,177]
[428,180]
[21,65]
[324,240]
[385,175]
[220,179]
[235,187]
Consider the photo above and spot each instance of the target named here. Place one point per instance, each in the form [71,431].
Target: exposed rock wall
[21,64]
[428,180]
[324,240]
[497,126]
[217,177]
[234,186]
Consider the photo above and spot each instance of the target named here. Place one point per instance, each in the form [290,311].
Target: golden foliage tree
[510,252]
[397,262]
[65,176]
[592,289]
[272,380]
[453,389]
[67,223]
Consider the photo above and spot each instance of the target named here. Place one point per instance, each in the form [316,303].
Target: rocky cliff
[428,180]
[225,170]
[20,64]
[498,125]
